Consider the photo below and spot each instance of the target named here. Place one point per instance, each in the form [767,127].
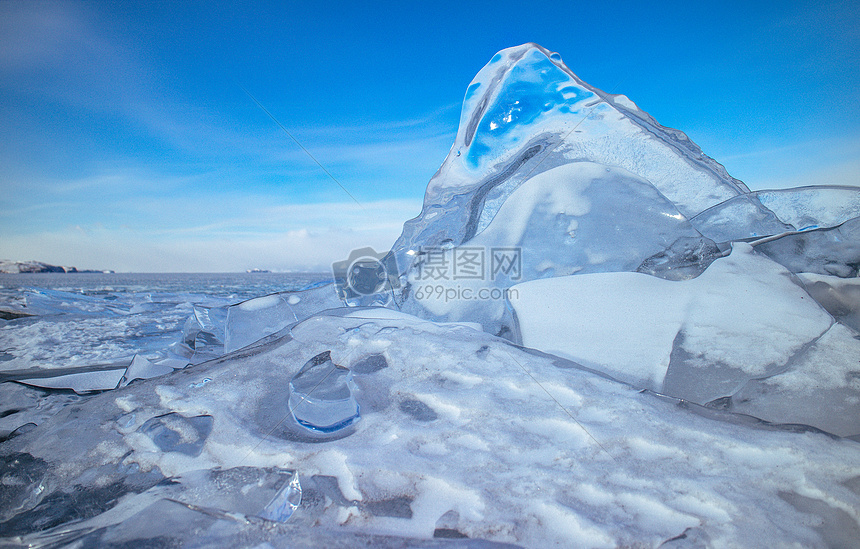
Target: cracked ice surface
[593,465]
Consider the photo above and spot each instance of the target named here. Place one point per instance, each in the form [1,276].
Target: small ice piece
[87,380]
[285,502]
[321,396]
[176,433]
[256,318]
[448,526]
[204,332]
[686,258]
[141,368]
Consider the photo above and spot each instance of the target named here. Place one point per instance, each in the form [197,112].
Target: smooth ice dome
[592,336]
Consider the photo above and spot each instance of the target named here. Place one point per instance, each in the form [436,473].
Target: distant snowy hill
[15,267]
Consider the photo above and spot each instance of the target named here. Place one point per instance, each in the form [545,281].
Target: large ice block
[576,179]
[699,339]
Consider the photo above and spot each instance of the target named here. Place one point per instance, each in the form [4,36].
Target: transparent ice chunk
[271,493]
[624,188]
[686,258]
[142,368]
[285,502]
[581,217]
[204,333]
[529,96]
[448,526]
[83,380]
[254,319]
[739,218]
[834,251]
[816,207]
[321,396]
[764,213]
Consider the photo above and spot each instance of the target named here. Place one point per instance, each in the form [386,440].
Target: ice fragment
[321,396]
[285,502]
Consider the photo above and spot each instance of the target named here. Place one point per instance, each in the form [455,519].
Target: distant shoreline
[31,267]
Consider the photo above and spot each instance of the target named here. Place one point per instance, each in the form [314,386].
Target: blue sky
[127,141]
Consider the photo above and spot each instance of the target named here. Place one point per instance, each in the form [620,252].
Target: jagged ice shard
[677,367]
